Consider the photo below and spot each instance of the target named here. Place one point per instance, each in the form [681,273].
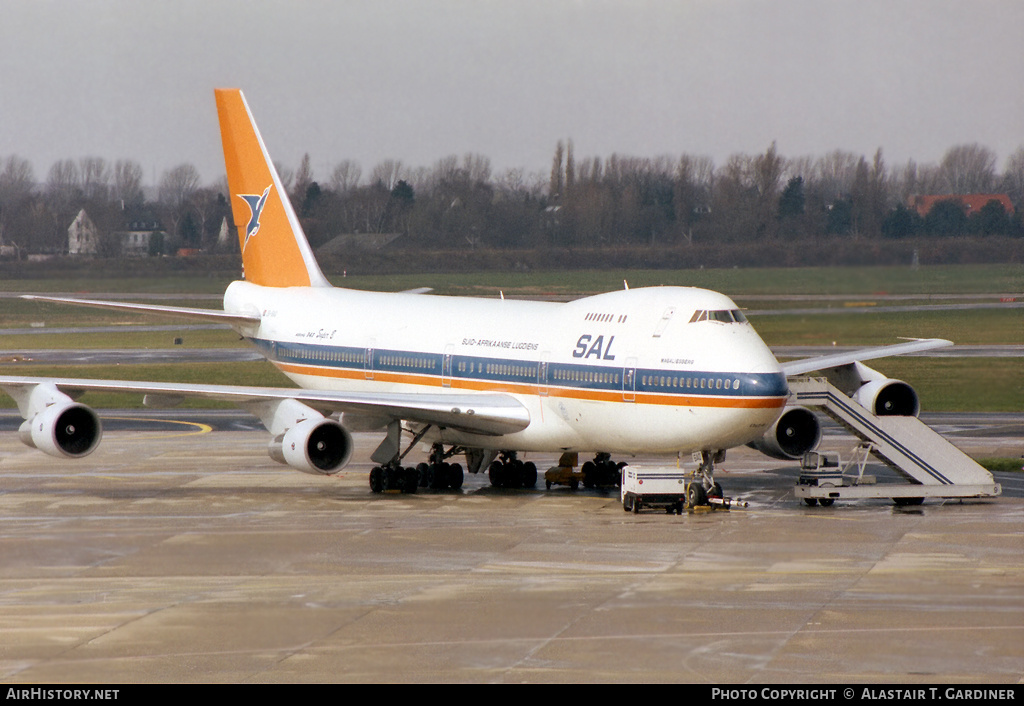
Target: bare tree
[177,186]
[767,173]
[694,181]
[968,169]
[418,178]
[287,177]
[555,182]
[904,181]
[478,168]
[303,180]
[834,174]
[16,182]
[95,176]
[590,170]
[345,176]
[126,184]
[208,205]
[1013,178]
[63,186]
[387,173]
[570,170]
[443,176]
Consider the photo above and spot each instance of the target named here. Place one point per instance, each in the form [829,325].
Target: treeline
[34,216]
[590,203]
[622,200]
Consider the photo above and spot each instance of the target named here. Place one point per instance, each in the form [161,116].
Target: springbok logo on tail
[255,204]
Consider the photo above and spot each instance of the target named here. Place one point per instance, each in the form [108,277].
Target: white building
[82,236]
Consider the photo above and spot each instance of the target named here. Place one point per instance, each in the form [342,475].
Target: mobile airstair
[932,467]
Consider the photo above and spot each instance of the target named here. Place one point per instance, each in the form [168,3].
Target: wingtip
[937,342]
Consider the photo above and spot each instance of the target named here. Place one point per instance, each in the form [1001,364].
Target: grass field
[963,327]
[962,384]
[925,281]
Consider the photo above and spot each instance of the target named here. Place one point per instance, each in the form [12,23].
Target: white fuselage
[630,371]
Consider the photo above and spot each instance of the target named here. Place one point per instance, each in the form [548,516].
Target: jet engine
[889,397]
[318,446]
[871,389]
[795,433]
[63,428]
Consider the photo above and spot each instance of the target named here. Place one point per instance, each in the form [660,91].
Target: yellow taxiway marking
[200,428]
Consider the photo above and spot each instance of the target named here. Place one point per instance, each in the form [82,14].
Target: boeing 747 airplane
[664,369]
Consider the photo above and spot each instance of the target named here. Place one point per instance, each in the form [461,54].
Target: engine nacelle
[317,446]
[889,397]
[64,429]
[795,433]
[880,395]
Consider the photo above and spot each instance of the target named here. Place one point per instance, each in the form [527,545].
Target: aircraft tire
[514,474]
[529,474]
[411,480]
[455,476]
[496,474]
[696,495]
[589,471]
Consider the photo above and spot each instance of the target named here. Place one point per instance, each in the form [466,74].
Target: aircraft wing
[807,365]
[485,413]
[214,315]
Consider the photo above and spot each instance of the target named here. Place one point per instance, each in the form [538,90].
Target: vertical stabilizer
[275,252]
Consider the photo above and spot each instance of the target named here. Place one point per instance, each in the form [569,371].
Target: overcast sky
[416,80]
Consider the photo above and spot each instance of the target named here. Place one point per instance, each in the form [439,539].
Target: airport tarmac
[178,555]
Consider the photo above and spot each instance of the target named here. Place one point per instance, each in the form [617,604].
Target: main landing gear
[602,472]
[438,474]
[391,476]
[509,472]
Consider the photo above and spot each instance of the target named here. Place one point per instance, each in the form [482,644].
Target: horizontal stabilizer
[179,311]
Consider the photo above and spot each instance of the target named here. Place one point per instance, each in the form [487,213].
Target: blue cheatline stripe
[824,397]
[607,378]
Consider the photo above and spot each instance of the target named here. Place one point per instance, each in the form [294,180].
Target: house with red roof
[971,203]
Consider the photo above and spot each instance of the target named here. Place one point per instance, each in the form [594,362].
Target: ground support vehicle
[660,487]
[571,476]
[669,489]
[931,466]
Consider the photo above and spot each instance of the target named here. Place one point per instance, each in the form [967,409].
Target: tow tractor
[672,489]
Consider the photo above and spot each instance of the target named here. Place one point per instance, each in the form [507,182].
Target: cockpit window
[725,316]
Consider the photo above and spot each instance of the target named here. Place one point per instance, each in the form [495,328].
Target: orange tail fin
[275,252]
